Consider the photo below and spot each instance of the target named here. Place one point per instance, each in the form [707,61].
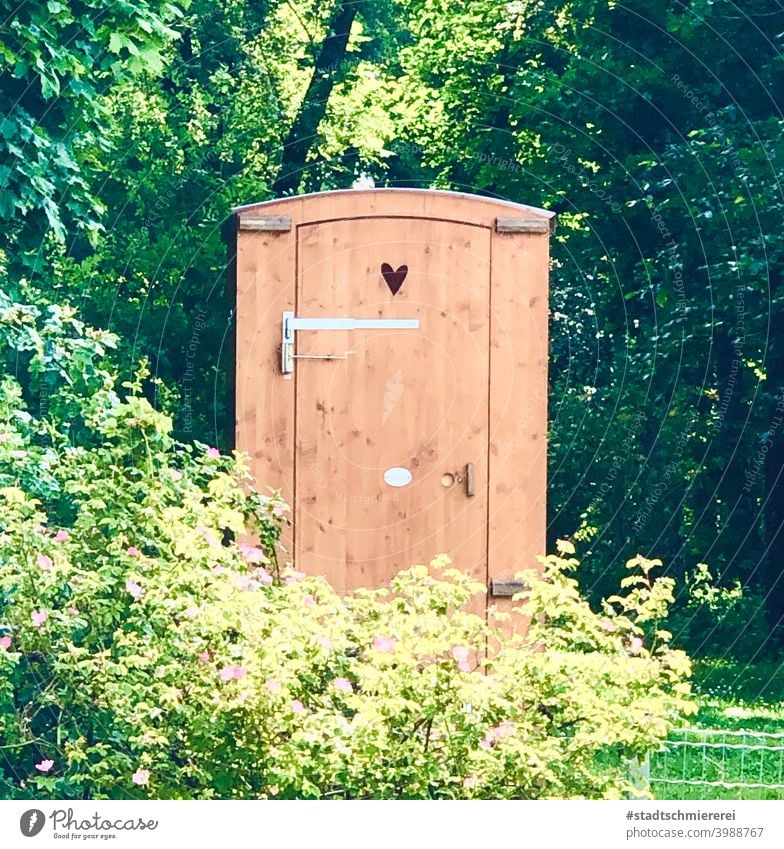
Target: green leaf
[151,59]
[116,42]
[50,86]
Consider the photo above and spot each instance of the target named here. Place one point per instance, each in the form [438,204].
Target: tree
[57,60]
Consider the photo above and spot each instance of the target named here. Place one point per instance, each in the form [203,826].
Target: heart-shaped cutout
[394,279]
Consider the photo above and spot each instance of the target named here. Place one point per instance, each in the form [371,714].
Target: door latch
[292,323]
[469,480]
[465,476]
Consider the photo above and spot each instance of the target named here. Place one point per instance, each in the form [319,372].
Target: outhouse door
[391,379]
[392,438]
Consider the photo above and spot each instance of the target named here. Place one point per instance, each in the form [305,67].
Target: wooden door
[404,403]
[469,385]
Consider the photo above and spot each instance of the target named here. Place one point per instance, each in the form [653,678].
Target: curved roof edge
[506,204]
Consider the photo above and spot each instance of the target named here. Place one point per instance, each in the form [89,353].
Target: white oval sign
[397,476]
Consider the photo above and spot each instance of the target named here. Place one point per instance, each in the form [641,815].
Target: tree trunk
[327,71]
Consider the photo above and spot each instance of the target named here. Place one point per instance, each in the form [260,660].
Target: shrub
[142,656]
[719,621]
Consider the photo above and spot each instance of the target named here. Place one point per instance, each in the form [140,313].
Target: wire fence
[708,763]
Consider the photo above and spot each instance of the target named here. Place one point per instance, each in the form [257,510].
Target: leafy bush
[148,647]
[141,655]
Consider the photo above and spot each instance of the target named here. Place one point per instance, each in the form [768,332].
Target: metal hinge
[274,223]
[522,225]
[504,588]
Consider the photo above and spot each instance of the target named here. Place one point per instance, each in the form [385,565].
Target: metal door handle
[469,479]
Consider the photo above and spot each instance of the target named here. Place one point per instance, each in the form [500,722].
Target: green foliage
[100,668]
[737,694]
[57,58]
[719,621]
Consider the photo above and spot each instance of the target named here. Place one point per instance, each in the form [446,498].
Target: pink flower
[39,529]
[324,642]
[343,684]
[464,666]
[278,510]
[263,576]
[504,729]
[297,706]
[4,437]
[73,611]
[252,553]
[132,551]
[134,589]
[273,686]
[213,454]
[635,645]
[607,625]
[460,654]
[493,735]
[471,782]
[44,766]
[5,643]
[204,656]
[175,474]
[308,601]
[44,561]
[141,777]
[230,673]
[61,536]
[384,644]
[39,617]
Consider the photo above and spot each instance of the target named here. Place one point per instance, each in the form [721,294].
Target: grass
[741,706]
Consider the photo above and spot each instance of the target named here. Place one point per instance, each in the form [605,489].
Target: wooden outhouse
[391,378]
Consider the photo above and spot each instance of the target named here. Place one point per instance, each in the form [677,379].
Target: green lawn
[736,738]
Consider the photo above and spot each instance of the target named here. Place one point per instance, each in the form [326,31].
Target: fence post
[640,775]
